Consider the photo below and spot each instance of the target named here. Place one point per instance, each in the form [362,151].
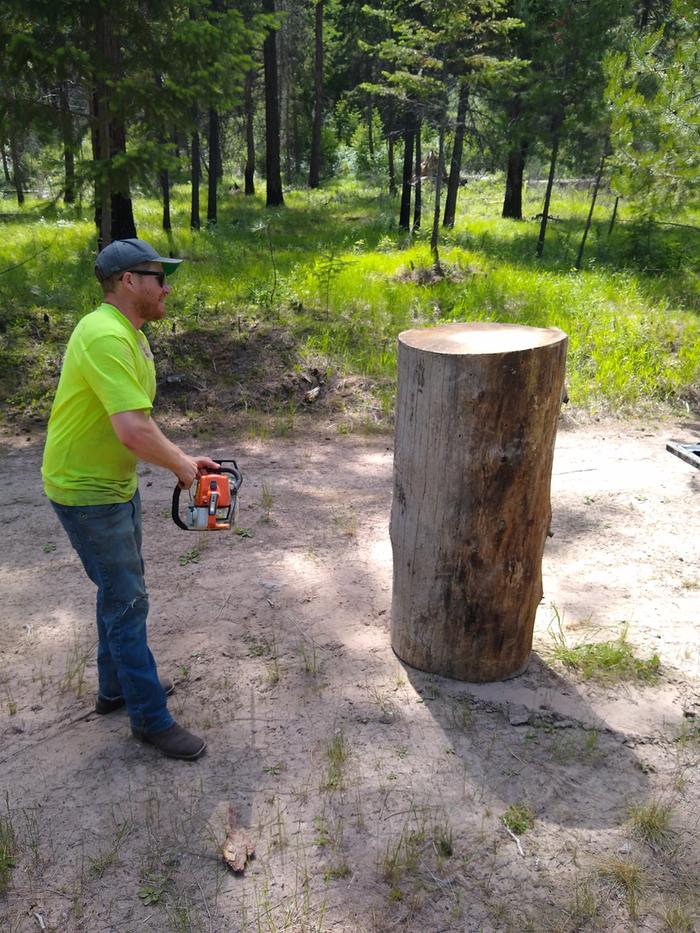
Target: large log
[476,419]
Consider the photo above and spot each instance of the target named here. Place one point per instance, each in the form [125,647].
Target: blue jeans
[107,539]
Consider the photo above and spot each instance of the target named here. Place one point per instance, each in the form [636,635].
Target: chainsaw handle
[176,509]
[234,472]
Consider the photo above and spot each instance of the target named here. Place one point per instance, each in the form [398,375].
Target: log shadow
[535,739]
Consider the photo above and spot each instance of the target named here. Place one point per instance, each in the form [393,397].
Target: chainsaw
[215,503]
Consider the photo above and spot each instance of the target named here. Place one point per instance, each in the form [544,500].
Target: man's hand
[200,465]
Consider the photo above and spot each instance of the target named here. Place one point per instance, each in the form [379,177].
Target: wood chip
[239,845]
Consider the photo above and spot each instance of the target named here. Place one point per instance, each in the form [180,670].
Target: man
[100,425]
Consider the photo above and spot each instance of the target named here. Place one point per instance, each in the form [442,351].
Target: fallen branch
[515,839]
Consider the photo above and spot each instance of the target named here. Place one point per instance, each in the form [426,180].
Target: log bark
[476,421]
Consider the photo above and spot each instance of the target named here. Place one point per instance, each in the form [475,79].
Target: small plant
[585,908]
[100,863]
[677,919]
[518,818]
[49,547]
[309,658]
[336,756]
[267,500]
[336,872]
[8,846]
[11,703]
[651,822]
[153,890]
[244,532]
[627,877]
[605,661]
[74,678]
[191,556]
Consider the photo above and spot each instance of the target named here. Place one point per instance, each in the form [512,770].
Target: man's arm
[137,431]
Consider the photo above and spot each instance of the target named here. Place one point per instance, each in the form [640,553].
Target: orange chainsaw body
[214,494]
[214,504]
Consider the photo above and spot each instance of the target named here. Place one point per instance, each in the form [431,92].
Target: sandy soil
[375,794]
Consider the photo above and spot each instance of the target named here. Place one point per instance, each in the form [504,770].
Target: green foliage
[653,90]
[631,314]
[518,818]
[606,661]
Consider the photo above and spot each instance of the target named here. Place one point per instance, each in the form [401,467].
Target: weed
[336,872]
[153,890]
[244,532]
[191,556]
[74,677]
[8,846]
[267,500]
[627,877]
[518,818]
[337,754]
[585,908]
[347,524]
[100,863]
[651,822]
[606,661]
[11,703]
[49,547]
[677,919]
[309,658]
[274,770]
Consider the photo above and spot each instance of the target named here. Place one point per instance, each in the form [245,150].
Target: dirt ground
[374,793]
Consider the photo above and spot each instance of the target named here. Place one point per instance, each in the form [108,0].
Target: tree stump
[476,419]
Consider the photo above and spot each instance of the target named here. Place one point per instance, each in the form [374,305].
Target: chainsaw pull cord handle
[213,498]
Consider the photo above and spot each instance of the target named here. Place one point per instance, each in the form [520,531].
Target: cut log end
[480,337]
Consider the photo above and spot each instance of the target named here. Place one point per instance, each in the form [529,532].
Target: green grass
[267,296]
[604,661]
[519,817]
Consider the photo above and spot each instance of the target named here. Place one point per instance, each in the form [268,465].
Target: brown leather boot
[174,742]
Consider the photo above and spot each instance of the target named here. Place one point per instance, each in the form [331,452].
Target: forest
[457,148]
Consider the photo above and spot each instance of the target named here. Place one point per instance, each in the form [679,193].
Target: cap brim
[170,266]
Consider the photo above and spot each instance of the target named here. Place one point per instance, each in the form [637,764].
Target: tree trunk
[405,209]
[418,201]
[596,186]
[456,161]
[315,161]
[390,160]
[68,146]
[196,173]
[370,133]
[5,167]
[249,172]
[273,178]
[548,192]
[435,235]
[16,167]
[113,208]
[513,200]
[614,215]
[476,419]
[123,226]
[214,165]
[164,177]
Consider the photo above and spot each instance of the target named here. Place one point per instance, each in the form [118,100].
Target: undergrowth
[268,297]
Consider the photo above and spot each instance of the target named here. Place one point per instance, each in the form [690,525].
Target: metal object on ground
[688,452]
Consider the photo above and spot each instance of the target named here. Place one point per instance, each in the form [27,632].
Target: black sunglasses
[159,275]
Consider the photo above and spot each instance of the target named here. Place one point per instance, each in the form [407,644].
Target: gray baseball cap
[121,255]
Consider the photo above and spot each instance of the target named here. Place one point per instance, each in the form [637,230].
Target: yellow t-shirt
[108,368]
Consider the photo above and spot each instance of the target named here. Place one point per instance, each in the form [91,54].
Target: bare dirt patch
[378,798]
